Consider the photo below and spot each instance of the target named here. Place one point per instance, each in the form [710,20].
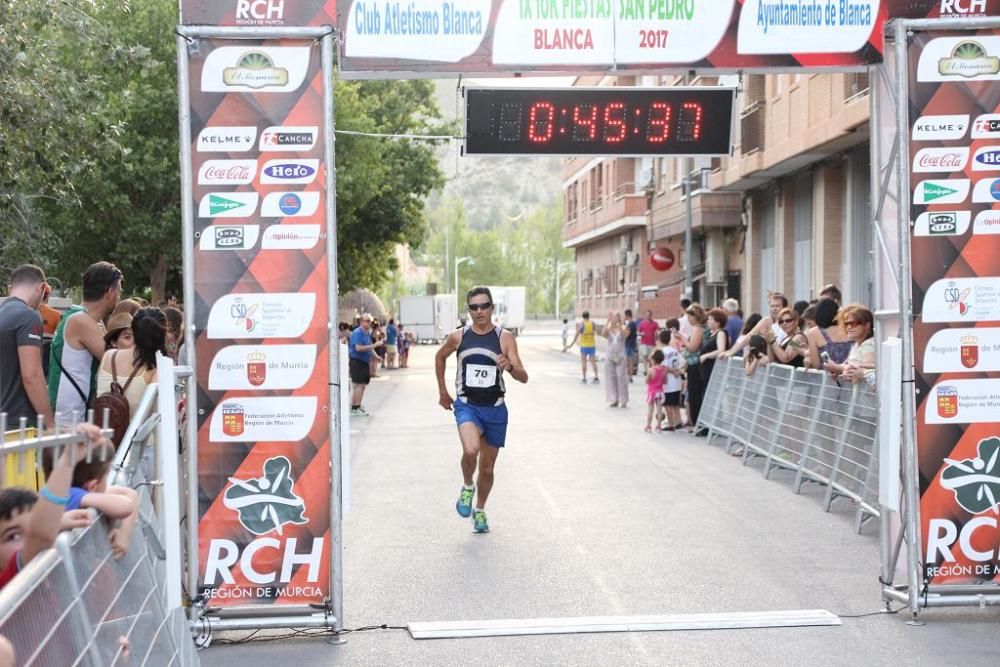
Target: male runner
[484,351]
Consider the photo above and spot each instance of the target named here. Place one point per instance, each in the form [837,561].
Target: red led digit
[689,127]
[585,122]
[658,125]
[541,122]
[615,129]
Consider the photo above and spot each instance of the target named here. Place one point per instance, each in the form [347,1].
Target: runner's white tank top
[78,364]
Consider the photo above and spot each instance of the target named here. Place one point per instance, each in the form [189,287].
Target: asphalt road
[590,517]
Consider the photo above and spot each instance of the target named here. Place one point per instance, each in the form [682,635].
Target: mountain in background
[491,188]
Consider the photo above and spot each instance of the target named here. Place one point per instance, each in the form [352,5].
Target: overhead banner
[954,103]
[260,280]
[258,13]
[396,37]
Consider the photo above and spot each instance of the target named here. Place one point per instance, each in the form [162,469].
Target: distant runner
[484,351]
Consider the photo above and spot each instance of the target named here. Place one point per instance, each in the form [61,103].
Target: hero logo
[288,139]
[940,127]
[299,172]
[264,504]
[960,9]
[986,126]
[940,160]
[987,159]
[257,12]
[975,483]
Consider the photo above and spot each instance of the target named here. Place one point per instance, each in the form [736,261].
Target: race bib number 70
[478,375]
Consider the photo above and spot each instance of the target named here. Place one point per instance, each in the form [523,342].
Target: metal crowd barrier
[802,421]
[76,604]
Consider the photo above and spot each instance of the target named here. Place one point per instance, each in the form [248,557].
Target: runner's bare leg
[470,437]
[484,483]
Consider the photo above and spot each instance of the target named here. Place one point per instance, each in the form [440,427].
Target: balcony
[605,217]
[752,128]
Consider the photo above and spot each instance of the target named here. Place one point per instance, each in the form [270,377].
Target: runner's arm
[509,360]
[440,359]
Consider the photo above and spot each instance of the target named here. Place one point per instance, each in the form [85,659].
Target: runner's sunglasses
[480,306]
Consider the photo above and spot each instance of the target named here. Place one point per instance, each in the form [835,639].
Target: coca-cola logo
[951,160]
[227,173]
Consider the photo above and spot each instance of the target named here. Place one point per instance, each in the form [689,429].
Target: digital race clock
[599,121]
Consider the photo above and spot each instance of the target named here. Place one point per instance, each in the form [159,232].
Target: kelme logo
[267,502]
[976,482]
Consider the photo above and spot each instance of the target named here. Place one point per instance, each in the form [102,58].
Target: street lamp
[458,261]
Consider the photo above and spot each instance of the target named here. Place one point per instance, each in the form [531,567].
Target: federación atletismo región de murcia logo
[976,482]
[267,502]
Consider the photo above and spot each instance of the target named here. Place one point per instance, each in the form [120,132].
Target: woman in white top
[858,323]
[149,331]
[615,361]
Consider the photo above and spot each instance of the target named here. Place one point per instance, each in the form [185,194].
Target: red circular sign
[662,259]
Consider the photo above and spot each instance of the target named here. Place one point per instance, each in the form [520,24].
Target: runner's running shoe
[464,504]
[479,522]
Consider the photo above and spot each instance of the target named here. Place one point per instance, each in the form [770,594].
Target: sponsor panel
[259,69]
[940,160]
[290,204]
[962,300]
[229,237]
[987,222]
[288,139]
[261,315]
[416,30]
[803,26]
[262,367]
[291,237]
[228,205]
[941,128]
[987,126]
[987,191]
[271,419]
[942,223]
[963,401]
[960,59]
[948,191]
[678,32]
[227,139]
[289,172]
[986,158]
[963,351]
[227,172]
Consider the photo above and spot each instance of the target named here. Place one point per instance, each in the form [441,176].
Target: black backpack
[115,403]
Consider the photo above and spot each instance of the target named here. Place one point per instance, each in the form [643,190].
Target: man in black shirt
[22,386]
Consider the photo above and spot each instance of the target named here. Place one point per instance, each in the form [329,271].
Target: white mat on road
[587,624]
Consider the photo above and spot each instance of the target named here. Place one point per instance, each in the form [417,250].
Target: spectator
[135,370]
[655,375]
[588,346]
[175,331]
[808,320]
[768,326]
[793,350]
[78,345]
[565,335]
[692,355]
[404,347]
[29,524]
[50,322]
[756,354]
[831,292]
[859,325]
[647,338]
[827,336]
[751,323]
[129,306]
[360,353]
[615,362]
[119,334]
[734,320]
[22,383]
[631,344]
[714,344]
[673,362]
[800,307]
[391,337]
[344,332]
[683,317]
[90,490]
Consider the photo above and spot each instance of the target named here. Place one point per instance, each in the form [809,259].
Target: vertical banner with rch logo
[260,273]
[954,104]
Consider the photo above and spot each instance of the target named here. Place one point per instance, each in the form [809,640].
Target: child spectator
[404,347]
[655,375]
[756,354]
[674,363]
[29,523]
[90,489]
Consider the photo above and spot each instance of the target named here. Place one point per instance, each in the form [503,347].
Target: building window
[803,231]
[768,267]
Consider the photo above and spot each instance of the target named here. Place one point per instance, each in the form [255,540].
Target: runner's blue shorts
[491,420]
[588,351]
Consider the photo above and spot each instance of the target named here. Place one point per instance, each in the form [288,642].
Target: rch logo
[976,482]
[267,502]
[969,8]
[266,10]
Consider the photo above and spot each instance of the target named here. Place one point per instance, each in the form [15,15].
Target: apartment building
[789,211]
